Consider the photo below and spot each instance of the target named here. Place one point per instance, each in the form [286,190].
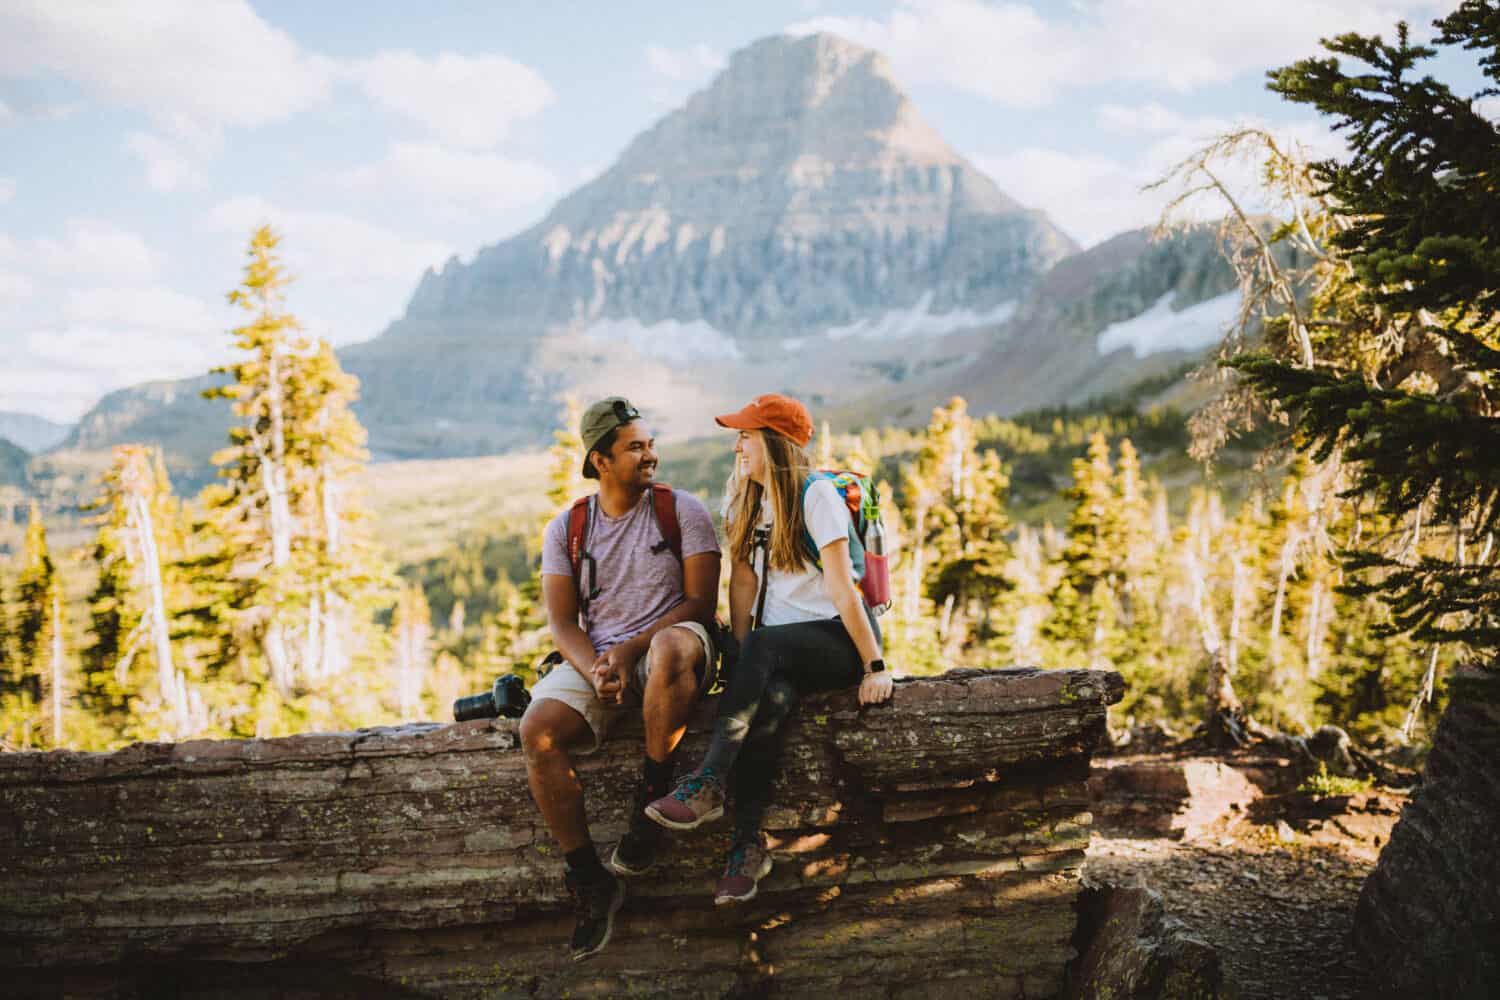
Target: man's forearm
[573,643]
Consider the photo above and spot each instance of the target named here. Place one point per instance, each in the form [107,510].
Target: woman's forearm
[852,613]
[743,588]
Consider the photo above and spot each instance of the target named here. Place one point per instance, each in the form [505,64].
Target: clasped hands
[610,669]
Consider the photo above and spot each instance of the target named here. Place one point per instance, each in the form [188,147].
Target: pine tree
[289,582]
[1085,598]
[1401,381]
[38,645]
[412,625]
[565,482]
[135,550]
[961,540]
[341,570]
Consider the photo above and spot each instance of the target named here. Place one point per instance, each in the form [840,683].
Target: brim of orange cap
[741,420]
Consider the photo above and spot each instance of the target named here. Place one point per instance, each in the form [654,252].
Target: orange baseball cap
[779,413]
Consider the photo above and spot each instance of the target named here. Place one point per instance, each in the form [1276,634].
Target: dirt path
[1274,891]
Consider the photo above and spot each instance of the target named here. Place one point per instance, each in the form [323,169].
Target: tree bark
[937,841]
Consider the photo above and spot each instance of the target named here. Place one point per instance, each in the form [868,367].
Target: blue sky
[141,142]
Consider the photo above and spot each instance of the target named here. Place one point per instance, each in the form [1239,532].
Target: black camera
[507,699]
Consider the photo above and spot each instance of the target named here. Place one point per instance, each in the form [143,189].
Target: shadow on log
[928,847]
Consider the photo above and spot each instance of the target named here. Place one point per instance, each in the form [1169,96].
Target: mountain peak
[796,200]
[788,97]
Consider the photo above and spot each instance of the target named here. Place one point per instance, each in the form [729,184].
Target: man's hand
[611,668]
[876,688]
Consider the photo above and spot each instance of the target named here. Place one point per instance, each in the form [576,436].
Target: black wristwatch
[875,667]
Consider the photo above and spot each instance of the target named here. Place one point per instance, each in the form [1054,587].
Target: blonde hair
[787,468]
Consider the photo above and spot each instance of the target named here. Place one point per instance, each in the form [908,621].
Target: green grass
[1324,785]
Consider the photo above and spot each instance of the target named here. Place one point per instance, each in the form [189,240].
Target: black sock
[658,775]
[585,862]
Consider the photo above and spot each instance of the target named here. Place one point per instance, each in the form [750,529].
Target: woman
[810,630]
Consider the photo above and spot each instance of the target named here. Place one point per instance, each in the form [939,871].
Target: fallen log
[927,846]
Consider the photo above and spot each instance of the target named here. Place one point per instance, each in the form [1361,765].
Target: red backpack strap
[578,529]
[664,506]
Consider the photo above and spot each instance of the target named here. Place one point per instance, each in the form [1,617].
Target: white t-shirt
[802,596]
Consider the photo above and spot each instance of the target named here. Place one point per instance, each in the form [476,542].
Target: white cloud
[95,248]
[325,246]
[1014,54]
[454,185]
[7,190]
[1005,52]
[1093,197]
[6,114]
[14,287]
[1488,108]
[468,101]
[1153,117]
[169,165]
[104,338]
[147,307]
[57,392]
[199,62]
[1090,197]
[125,355]
[687,65]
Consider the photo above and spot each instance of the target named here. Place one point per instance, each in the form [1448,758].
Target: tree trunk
[1223,716]
[57,670]
[935,843]
[173,692]
[1428,918]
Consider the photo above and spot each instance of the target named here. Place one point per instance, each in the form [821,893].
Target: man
[632,627]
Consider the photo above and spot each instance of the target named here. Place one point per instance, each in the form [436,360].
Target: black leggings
[778,665]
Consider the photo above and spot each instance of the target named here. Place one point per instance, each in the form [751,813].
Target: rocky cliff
[929,847]
[797,198]
[1429,917]
[1098,322]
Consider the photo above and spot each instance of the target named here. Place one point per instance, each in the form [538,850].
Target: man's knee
[676,653]
[549,727]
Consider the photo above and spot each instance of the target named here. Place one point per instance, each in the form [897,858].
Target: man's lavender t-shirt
[636,586]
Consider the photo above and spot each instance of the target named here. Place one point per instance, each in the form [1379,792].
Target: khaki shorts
[567,685]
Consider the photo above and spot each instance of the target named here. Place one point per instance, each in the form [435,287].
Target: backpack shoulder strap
[664,506]
[578,529]
[763,546]
[849,491]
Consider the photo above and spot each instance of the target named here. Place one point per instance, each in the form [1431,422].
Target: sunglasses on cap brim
[625,413]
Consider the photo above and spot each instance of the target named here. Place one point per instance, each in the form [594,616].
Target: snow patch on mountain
[671,341]
[1161,329]
[920,321]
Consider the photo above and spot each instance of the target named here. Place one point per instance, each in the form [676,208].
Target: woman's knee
[777,703]
[758,654]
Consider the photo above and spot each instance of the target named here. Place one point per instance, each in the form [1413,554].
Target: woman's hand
[876,688]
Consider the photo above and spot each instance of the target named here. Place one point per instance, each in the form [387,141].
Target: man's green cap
[598,420]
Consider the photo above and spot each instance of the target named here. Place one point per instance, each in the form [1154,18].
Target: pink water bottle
[876,583]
